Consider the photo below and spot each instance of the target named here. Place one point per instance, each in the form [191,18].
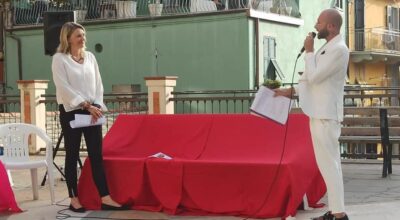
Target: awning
[277,69]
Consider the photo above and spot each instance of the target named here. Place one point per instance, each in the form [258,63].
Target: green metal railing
[133,103]
[10,109]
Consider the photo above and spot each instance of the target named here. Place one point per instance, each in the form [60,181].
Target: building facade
[229,48]
[374,42]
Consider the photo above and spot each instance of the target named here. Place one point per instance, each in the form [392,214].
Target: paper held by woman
[82,120]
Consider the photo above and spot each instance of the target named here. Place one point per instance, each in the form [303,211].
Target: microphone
[303,49]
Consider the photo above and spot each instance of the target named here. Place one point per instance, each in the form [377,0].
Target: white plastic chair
[15,140]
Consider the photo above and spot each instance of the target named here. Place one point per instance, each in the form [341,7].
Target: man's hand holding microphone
[308,47]
[309,42]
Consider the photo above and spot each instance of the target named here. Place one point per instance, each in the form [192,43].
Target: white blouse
[75,82]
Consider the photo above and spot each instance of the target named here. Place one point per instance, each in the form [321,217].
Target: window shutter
[269,50]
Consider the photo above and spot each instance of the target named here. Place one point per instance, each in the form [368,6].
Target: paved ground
[368,197]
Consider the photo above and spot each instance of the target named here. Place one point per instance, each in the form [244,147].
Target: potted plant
[80,12]
[126,8]
[155,7]
[272,83]
[286,11]
[275,7]
[281,7]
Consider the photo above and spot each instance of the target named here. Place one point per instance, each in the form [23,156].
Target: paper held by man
[82,120]
[266,105]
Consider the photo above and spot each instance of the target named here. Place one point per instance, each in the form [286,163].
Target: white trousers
[325,136]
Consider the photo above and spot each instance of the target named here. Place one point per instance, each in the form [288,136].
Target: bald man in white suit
[320,92]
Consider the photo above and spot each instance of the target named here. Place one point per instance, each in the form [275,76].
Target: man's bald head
[328,24]
[332,16]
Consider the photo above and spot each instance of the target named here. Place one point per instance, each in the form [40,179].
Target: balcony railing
[30,12]
[375,40]
[132,103]
[205,102]
[10,108]
[239,101]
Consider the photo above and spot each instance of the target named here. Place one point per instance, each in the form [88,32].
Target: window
[393,24]
[271,67]
[359,25]
[339,4]
[392,18]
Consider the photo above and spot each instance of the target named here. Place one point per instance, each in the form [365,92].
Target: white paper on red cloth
[161,155]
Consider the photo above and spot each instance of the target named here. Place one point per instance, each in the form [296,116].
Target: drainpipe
[1,30]
[257,51]
[8,23]
[16,38]
[346,28]
[346,14]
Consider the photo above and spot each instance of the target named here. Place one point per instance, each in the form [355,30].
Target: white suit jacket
[321,86]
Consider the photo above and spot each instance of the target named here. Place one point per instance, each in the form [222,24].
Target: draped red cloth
[222,164]
[7,199]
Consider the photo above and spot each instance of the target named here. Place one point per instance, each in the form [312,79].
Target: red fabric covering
[7,199]
[223,164]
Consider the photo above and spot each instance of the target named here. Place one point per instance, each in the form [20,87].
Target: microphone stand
[284,140]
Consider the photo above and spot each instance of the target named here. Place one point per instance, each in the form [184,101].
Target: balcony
[374,45]
[30,12]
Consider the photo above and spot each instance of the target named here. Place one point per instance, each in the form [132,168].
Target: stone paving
[368,196]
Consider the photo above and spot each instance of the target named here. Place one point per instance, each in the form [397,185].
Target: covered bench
[233,164]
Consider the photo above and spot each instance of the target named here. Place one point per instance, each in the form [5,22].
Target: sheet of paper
[161,155]
[85,121]
[266,105]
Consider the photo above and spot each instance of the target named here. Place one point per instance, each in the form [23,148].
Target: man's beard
[322,34]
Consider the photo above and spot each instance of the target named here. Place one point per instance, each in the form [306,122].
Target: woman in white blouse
[79,90]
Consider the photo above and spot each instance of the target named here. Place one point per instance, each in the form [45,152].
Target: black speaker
[52,23]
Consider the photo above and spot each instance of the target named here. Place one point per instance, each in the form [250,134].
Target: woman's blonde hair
[65,33]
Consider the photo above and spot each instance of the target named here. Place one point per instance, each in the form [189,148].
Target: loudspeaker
[52,23]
